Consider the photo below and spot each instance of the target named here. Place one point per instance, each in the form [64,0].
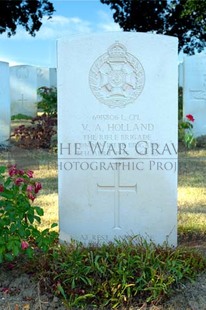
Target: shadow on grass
[28,159]
[192,172]
[200,210]
[191,235]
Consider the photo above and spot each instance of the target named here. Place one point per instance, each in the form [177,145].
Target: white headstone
[194,94]
[23,83]
[5,117]
[43,77]
[117,100]
[53,77]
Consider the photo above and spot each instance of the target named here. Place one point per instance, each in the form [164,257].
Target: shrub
[185,132]
[20,116]
[39,134]
[48,102]
[18,217]
[43,128]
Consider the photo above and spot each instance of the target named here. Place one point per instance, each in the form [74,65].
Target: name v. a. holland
[119,149]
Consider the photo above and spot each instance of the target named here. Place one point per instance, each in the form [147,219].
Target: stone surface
[43,77]
[194,94]
[53,77]
[23,83]
[117,97]
[5,118]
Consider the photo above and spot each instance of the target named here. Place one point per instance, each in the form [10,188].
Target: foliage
[116,274]
[184,19]
[180,102]
[18,217]
[48,103]
[199,7]
[42,132]
[20,116]
[185,132]
[39,134]
[26,13]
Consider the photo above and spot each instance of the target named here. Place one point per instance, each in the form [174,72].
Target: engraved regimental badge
[117,77]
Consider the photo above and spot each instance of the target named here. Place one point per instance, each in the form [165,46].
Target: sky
[71,17]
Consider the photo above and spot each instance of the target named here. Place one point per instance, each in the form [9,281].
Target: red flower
[29,188]
[12,171]
[31,196]
[37,187]
[21,172]
[18,181]
[190,117]
[24,245]
[30,173]
[1,188]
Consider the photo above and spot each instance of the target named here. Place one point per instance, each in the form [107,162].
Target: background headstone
[117,133]
[53,77]
[23,84]
[5,117]
[194,91]
[43,77]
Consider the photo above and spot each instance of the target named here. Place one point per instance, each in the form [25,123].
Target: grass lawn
[192,194]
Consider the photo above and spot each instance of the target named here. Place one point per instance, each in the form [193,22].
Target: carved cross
[22,99]
[117,189]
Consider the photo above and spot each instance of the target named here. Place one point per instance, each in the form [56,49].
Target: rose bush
[185,131]
[19,217]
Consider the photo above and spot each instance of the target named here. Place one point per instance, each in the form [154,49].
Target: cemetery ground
[35,284]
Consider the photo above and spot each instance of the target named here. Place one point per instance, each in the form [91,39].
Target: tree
[26,13]
[185,19]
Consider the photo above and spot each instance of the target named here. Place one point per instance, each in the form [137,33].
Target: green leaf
[80,298]
[2,249]
[15,250]
[37,218]
[10,245]
[7,194]
[29,252]
[12,228]
[9,257]
[54,225]
[8,181]
[61,290]
[45,231]
[2,169]
[39,211]
[31,218]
